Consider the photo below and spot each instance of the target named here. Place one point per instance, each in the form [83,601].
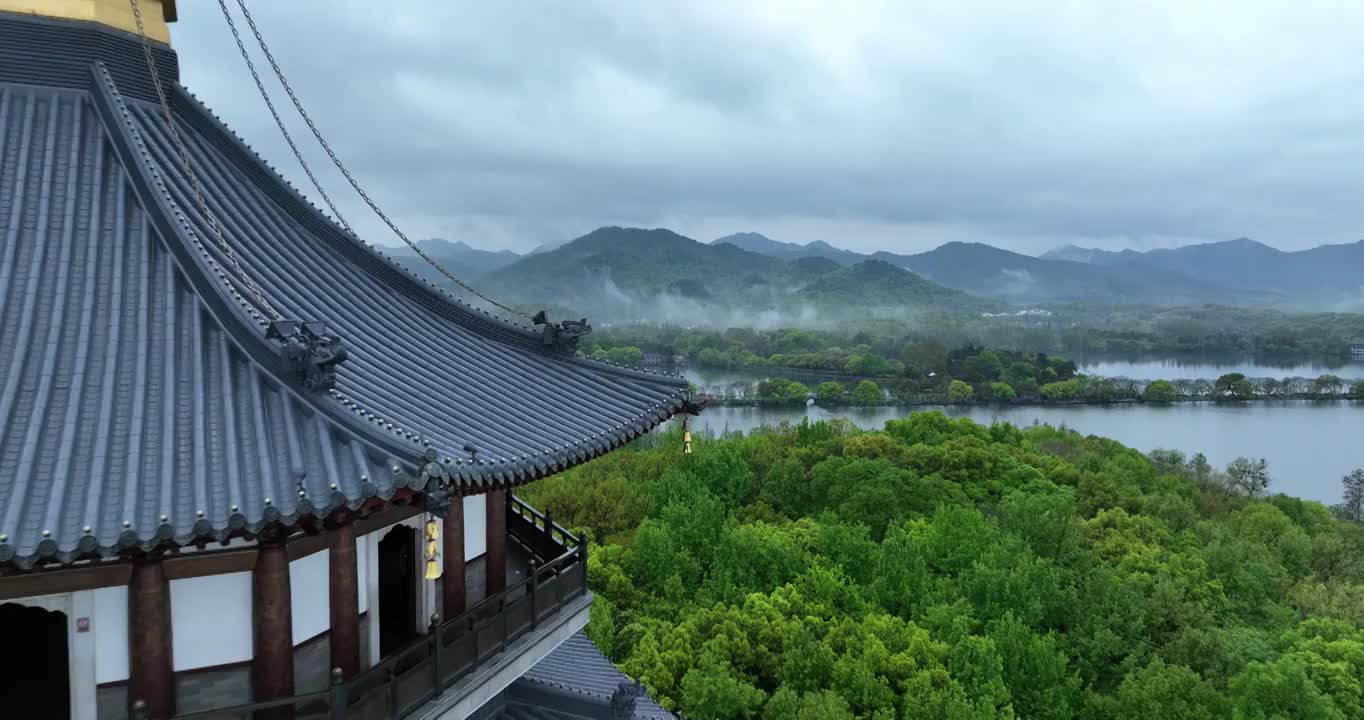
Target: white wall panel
[362,572]
[475,526]
[310,596]
[211,620]
[109,622]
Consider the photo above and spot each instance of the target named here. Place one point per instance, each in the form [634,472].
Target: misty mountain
[1092,256]
[877,283]
[1327,276]
[630,273]
[547,246]
[465,261]
[988,271]
[809,268]
[614,266]
[763,245]
[1068,274]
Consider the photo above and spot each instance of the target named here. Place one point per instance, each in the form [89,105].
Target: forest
[1072,330]
[926,372]
[941,568]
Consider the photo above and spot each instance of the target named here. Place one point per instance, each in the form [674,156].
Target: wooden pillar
[452,577]
[344,598]
[151,674]
[496,559]
[272,668]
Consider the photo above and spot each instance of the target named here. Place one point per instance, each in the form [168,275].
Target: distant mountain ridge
[660,274]
[657,273]
[987,271]
[990,271]
[761,244]
[460,258]
[1326,276]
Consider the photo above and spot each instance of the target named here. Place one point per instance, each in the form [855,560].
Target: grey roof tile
[577,666]
[136,381]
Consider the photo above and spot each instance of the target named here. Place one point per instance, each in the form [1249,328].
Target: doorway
[40,674]
[397,589]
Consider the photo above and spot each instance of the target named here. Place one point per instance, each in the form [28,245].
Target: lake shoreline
[1309,444]
[1038,402]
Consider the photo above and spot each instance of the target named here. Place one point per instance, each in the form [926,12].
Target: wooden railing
[450,650]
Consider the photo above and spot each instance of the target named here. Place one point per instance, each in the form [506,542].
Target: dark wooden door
[34,674]
[397,589]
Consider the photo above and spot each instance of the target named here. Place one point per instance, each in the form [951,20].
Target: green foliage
[866,393]
[927,356]
[941,568]
[1280,689]
[1233,385]
[958,391]
[829,394]
[1327,385]
[780,391]
[630,356]
[716,693]
[1168,692]
[1063,390]
[1161,391]
[1002,391]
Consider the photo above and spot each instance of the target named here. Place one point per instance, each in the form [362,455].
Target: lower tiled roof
[578,667]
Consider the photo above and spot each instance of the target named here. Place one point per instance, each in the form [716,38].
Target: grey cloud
[876,125]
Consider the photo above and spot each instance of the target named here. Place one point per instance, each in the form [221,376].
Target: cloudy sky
[893,125]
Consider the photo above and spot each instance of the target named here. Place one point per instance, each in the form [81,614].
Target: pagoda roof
[143,399]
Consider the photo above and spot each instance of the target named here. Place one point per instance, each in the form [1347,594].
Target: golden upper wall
[156,14]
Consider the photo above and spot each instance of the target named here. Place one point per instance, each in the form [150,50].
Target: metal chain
[317,134]
[288,138]
[198,189]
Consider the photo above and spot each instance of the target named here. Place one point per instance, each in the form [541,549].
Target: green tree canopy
[1233,385]
[942,568]
[829,394]
[1002,391]
[959,391]
[866,393]
[1161,391]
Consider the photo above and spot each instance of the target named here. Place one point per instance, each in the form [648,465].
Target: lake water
[1154,369]
[1175,369]
[1309,445]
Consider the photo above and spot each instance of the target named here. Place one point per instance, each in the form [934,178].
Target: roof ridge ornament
[562,335]
[693,405]
[314,352]
[624,698]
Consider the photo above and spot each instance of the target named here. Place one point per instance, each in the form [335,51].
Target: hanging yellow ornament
[432,550]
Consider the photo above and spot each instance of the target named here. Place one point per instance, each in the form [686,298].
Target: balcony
[463,661]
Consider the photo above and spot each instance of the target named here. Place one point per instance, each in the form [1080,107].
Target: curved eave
[203,531]
[370,477]
[379,263]
[398,438]
[375,261]
[204,265]
[479,477]
[669,393]
[389,428]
